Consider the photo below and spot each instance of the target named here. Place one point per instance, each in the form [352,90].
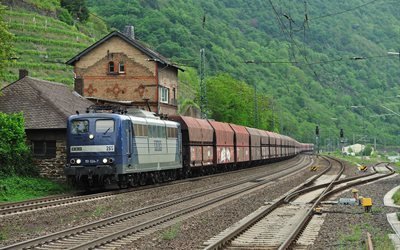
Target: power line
[354,58]
[344,11]
[294,43]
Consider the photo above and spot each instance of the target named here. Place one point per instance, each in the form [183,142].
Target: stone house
[45,106]
[119,68]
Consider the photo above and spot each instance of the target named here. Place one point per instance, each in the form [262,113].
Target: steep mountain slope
[43,43]
[315,60]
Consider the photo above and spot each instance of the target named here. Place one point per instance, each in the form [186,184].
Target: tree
[77,8]
[6,53]
[14,153]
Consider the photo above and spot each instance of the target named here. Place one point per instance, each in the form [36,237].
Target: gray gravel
[190,234]
[343,221]
[28,225]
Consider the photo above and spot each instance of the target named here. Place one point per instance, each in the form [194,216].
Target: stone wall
[53,168]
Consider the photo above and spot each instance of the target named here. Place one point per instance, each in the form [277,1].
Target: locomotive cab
[93,151]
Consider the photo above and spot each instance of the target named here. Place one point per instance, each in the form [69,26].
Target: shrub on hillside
[15,157]
[77,8]
[64,16]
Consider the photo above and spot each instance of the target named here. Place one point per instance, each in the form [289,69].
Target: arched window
[121,67]
[111,67]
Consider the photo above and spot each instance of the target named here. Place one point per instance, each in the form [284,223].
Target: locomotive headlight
[78,161]
[72,161]
[91,136]
[105,160]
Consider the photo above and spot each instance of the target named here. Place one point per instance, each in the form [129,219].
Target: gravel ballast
[191,233]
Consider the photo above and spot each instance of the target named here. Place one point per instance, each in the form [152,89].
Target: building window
[164,94]
[44,149]
[121,67]
[111,67]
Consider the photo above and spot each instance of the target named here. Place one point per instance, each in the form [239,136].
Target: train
[135,147]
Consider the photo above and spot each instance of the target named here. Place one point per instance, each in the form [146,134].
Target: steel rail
[231,235]
[298,192]
[52,201]
[125,216]
[307,217]
[219,244]
[327,192]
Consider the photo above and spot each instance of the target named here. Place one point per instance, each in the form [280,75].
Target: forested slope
[309,61]
[313,59]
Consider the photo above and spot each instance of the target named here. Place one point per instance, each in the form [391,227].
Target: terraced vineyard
[43,45]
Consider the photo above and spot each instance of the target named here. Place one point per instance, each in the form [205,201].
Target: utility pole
[203,86]
[317,137]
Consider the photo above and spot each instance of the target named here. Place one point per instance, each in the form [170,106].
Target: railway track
[113,232]
[278,225]
[62,200]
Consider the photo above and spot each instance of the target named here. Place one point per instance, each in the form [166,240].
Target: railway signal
[317,130]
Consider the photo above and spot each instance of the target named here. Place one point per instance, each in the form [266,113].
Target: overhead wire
[344,11]
[292,40]
[354,58]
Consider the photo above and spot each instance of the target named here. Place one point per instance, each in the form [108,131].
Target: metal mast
[255,107]
[203,86]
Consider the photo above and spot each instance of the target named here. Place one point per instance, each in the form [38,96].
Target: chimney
[78,85]
[129,31]
[23,73]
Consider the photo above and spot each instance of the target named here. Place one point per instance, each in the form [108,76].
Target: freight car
[135,148]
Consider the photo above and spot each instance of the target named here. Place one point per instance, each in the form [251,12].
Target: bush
[64,16]
[17,188]
[367,150]
[15,156]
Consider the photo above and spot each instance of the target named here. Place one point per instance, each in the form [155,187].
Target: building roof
[45,105]
[150,53]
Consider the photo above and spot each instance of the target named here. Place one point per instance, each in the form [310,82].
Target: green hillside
[313,60]
[313,63]
[43,43]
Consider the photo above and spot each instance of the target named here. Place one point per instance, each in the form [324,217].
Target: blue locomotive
[127,149]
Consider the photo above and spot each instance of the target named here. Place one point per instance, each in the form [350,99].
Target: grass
[396,197]
[355,239]
[172,232]
[100,210]
[16,188]
[3,235]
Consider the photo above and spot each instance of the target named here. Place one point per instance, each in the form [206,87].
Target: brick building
[45,106]
[119,68]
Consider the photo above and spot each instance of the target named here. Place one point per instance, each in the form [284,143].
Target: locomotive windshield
[105,126]
[79,127]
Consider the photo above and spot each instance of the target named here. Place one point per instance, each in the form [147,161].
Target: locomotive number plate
[92,148]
